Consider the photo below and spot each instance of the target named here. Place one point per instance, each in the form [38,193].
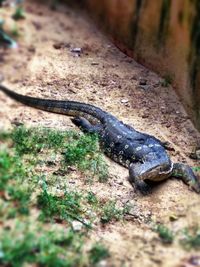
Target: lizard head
[151,170]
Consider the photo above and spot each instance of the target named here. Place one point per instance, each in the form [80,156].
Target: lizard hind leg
[187,175]
[85,125]
[138,183]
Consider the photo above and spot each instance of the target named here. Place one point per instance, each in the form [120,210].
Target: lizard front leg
[86,126]
[185,173]
[136,181]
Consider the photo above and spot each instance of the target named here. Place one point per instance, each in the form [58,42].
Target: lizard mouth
[156,173]
[167,171]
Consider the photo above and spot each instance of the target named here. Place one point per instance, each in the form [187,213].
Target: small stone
[124,101]
[77,226]
[194,260]
[77,50]
[103,263]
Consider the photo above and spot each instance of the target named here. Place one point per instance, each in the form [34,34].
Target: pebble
[103,263]
[124,101]
[195,260]
[77,226]
[76,50]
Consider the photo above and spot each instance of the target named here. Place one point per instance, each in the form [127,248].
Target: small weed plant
[164,233]
[191,238]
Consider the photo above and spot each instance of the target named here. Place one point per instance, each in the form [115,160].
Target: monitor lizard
[144,155]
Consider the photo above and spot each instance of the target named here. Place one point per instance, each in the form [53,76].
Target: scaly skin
[143,154]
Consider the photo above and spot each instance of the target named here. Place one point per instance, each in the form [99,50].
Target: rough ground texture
[45,66]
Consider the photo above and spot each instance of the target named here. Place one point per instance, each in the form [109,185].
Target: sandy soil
[44,66]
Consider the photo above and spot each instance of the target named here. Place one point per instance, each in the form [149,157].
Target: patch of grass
[23,245]
[97,253]
[191,239]
[85,154]
[85,147]
[164,233]
[34,140]
[12,187]
[92,199]
[10,168]
[111,212]
[64,208]
[19,13]
[77,149]
[21,198]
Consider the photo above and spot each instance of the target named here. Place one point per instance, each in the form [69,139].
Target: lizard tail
[70,108]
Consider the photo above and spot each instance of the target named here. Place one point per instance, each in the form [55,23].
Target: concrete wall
[161,34]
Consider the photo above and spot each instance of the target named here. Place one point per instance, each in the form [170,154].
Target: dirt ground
[44,65]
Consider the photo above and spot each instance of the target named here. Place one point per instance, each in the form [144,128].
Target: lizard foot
[187,175]
[142,187]
[137,183]
[77,121]
[85,125]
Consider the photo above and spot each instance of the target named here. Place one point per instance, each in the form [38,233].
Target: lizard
[144,155]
